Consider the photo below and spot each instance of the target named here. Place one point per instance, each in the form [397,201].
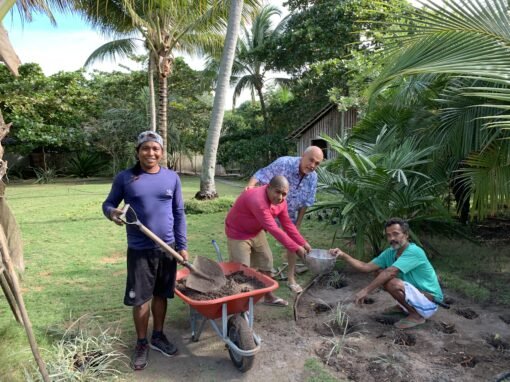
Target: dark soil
[387,319]
[237,282]
[321,308]
[493,230]
[403,338]
[445,327]
[497,342]
[505,318]
[450,346]
[467,313]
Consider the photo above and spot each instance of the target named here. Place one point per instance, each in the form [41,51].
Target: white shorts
[418,301]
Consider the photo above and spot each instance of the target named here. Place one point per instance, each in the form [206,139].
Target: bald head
[278,189]
[310,160]
[314,150]
[280,182]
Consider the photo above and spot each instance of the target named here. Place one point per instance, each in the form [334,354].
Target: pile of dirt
[237,282]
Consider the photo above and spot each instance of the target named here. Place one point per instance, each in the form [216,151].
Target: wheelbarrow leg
[194,316]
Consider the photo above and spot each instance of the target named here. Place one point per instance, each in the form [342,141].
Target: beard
[395,244]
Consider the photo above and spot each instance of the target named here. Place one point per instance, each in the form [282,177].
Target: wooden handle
[163,245]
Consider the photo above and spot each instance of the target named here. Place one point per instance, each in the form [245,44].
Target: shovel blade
[208,276]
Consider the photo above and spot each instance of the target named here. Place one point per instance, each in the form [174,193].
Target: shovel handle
[165,247]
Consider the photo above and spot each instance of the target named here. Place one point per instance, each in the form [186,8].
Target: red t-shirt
[252,212]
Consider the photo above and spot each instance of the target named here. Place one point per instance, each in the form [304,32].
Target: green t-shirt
[414,268]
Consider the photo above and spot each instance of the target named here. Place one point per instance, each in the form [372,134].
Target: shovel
[205,274]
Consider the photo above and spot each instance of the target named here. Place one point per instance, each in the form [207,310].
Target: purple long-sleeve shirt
[158,202]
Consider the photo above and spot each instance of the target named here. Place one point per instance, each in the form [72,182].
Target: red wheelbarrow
[236,313]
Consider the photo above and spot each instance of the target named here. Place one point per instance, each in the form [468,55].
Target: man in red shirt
[254,212]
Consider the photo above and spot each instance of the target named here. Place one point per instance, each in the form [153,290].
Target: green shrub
[195,207]
[45,176]
[85,164]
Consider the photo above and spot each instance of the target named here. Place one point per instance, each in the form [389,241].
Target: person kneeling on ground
[254,211]
[404,272]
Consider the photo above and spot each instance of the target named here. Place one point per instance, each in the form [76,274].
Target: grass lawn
[75,262]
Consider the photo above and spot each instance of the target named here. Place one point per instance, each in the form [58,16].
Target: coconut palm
[165,27]
[207,185]
[249,70]
[469,43]
[127,47]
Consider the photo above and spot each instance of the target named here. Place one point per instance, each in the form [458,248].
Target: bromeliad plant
[371,181]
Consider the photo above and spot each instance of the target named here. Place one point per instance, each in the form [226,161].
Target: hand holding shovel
[205,276]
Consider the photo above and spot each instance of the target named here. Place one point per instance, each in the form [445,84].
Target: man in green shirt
[404,272]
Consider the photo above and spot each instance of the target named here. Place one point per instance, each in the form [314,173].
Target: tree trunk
[462,199]
[263,109]
[152,94]
[164,68]
[207,185]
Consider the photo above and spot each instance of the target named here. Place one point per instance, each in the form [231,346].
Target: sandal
[406,323]
[395,309]
[295,287]
[276,302]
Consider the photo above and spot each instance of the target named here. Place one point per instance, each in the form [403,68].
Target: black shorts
[150,272]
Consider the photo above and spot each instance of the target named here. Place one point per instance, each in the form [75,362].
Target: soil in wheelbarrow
[237,282]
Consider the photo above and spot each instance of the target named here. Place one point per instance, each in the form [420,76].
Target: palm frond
[113,49]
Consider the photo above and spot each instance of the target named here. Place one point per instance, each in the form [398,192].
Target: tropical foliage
[249,71]
[372,180]
[466,48]
[165,27]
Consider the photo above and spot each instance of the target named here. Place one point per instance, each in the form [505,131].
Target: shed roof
[302,129]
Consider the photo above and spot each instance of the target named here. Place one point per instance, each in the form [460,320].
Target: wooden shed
[328,121]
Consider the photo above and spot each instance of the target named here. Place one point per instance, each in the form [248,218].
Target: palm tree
[469,44]
[207,185]
[127,47]
[166,27]
[249,70]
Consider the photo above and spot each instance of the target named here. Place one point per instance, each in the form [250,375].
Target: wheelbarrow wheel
[240,334]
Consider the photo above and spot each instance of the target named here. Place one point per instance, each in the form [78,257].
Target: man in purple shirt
[302,178]
[154,193]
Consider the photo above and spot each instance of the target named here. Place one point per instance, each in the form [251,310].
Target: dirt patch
[445,327]
[447,348]
[387,319]
[237,282]
[319,307]
[335,280]
[464,360]
[115,258]
[404,338]
[505,318]
[450,346]
[368,301]
[495,231]
[467,313]
[497,342]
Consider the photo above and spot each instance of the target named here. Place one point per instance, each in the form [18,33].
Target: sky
[64,47]
[68,45]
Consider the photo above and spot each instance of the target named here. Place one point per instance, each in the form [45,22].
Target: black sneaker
[140,358]
[164,346]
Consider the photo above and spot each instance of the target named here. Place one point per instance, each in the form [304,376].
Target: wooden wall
[333,123]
